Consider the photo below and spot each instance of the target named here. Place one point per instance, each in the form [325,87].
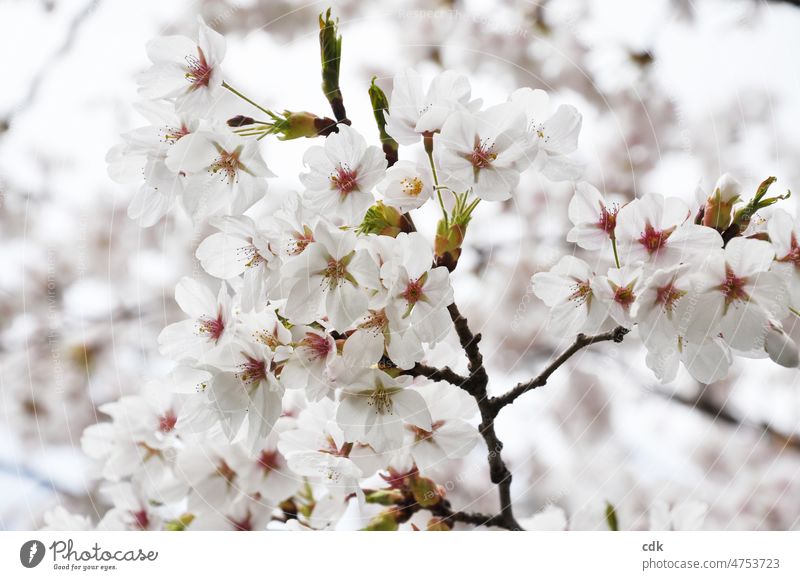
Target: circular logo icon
[31,553]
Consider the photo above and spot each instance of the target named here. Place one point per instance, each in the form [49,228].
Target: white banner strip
[354,555]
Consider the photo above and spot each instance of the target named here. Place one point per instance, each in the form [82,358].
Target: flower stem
[794,311]
[244,98]
[616,255]
[429,150]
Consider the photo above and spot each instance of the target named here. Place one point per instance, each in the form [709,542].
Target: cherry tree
[303,393]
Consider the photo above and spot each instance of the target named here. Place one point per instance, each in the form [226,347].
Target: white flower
[268,474]
[342,174]
[655,230]
[450,436]
[333,271]
[317,448]
[308,367]
[212,472]
[407,185]
[664,309]
[144,151]
[185,70]
[226,172]
[418,292]
[567,290]
[382,331]
[618,290]
[240,247]
[594,220]
[134,509]
[780,347]
[413,111]
[556,135]
[785,238]
[485,151]
[737,295]
[210,326]
[375,408]
[247,390]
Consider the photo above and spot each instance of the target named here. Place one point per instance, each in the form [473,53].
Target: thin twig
[581,342]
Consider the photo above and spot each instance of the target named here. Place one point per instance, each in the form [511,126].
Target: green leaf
[611,518]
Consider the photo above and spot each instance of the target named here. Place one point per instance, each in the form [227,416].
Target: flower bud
[719,206]
[386,521]
[781,348]
[384,220]
[447,244]
[425,491]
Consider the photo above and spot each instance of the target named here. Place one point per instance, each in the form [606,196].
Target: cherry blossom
[185,70]
[225,172]
[342,174]
[594,220]
[485,151]
[375,408]
[331,269]
[737,295]
[209,328]
[568,290]
[657,230]
[414,111]
[556,134]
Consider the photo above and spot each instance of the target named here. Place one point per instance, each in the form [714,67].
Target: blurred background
[673,93]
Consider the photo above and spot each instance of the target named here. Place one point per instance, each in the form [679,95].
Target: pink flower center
[172,134]
[140,519]
[608,220]
[225,472]
[376,321]
[344,179]
[167,422]
[623,295]
[413,292]
[319,347]
[653,240]
[269,460]
[300,241]
[794,254]
[252,371]
[668,296]
[483,155]
[335,273]
[581,292]
[199,73]
[228,164]
[733,287]
[213,327]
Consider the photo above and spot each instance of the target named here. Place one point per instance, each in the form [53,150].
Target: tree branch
[436,374]
[705,404]
[476,385]
[581,342]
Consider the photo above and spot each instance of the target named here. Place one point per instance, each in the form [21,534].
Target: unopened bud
[240,121]
[385,521]
[781,348]
[719,206]
[447,244]
[426,492]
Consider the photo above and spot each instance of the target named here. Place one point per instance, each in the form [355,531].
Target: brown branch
[705,404]
[475,385]
[436,374]
[581,342]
